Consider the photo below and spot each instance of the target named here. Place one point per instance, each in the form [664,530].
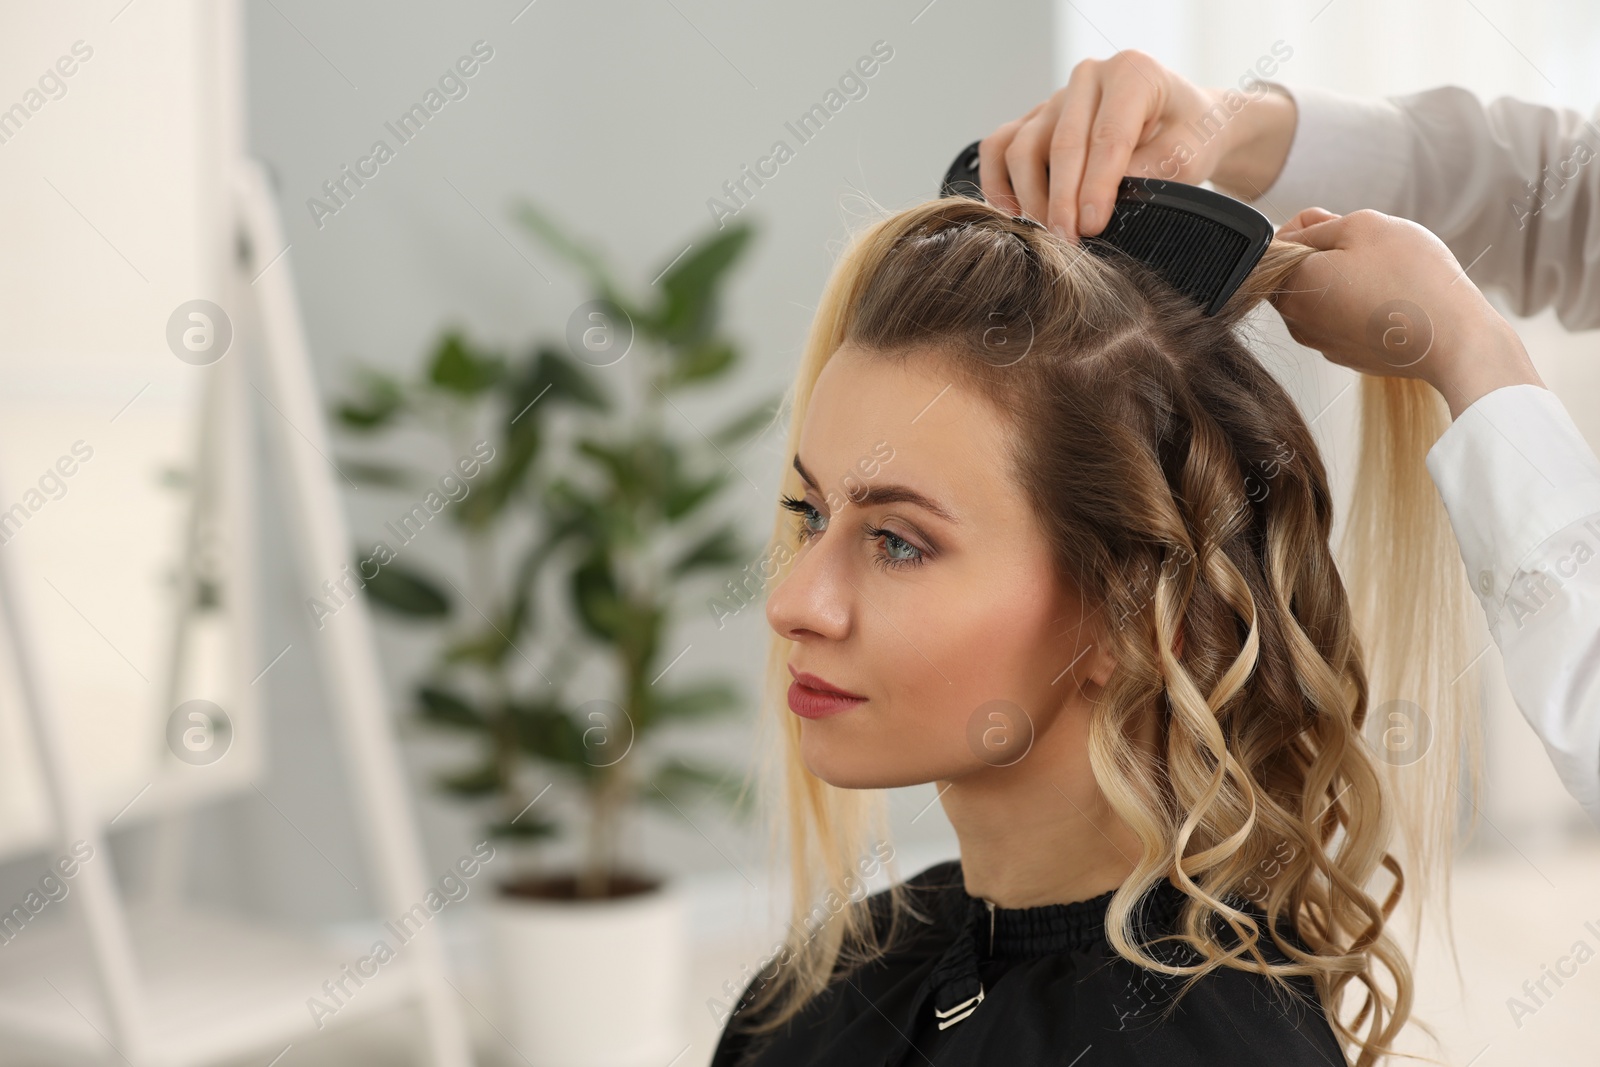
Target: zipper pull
[991,926]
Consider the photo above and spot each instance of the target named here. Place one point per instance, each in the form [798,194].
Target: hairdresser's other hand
[1130,115]
[1384,296]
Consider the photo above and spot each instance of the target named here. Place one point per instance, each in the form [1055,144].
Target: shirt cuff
[1348,153]
[1513,471]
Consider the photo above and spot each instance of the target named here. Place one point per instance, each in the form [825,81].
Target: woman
[1059,544]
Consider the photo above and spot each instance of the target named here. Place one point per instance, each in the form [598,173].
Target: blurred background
[250,355]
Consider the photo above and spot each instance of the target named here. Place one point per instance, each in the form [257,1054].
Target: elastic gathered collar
[1045,928]
[1021,932]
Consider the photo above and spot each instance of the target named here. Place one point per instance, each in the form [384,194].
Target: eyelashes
[805,532]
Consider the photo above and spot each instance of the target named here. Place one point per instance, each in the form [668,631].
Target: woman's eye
[896,551]
[894,546]
[806,513]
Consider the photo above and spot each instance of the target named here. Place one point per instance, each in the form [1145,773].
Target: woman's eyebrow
[884,494]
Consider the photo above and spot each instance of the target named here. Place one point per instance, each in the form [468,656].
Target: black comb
[1201,242]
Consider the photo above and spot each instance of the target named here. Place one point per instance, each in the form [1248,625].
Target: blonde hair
[1182,493]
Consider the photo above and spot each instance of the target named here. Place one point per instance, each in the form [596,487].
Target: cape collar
[984,931]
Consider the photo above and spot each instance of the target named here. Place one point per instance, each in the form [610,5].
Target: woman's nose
[813,597]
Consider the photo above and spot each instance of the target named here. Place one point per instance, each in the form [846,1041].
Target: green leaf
[382,399]
[700,363]
[547,379]
[698,700]
[687,311]
[543,730]
[558,530]
[405,591]
[632,468]
[680,496]
[457,368]
[547,732]
[507,472]
[718,548]
[480,781]
[551,374]
[593,525]
[751,423]
[596,598]
[487,647]
[375,474]
[442,707]
[680,781]
[527,827]
[556,239]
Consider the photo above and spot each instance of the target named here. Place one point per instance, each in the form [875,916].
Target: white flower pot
[592,983]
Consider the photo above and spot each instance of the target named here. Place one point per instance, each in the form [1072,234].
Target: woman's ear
[1092,660]
[1100,663]
[1098,660]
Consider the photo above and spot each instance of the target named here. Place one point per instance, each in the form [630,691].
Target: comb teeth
[1195,255]
[1201,242]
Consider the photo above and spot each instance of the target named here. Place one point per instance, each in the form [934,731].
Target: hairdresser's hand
[1130,115]
[1384,296]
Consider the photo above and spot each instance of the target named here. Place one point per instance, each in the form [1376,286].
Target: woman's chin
[841,770]
[840,776]
[854,770]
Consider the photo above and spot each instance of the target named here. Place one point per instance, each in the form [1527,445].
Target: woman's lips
[817,704]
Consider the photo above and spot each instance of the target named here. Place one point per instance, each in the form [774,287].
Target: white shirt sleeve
[1511,187]
[1522,487]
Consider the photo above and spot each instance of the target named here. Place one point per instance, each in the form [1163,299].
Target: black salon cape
[1054,993]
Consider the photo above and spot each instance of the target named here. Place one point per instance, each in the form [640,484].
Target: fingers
[1061,163]
[1295,228]
[993,181]
[992,176]
[1075,110]
[1129,100]
[1025,164]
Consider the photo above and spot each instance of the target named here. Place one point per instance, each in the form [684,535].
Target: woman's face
[952,626]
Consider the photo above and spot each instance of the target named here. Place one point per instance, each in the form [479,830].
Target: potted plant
[587,480]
